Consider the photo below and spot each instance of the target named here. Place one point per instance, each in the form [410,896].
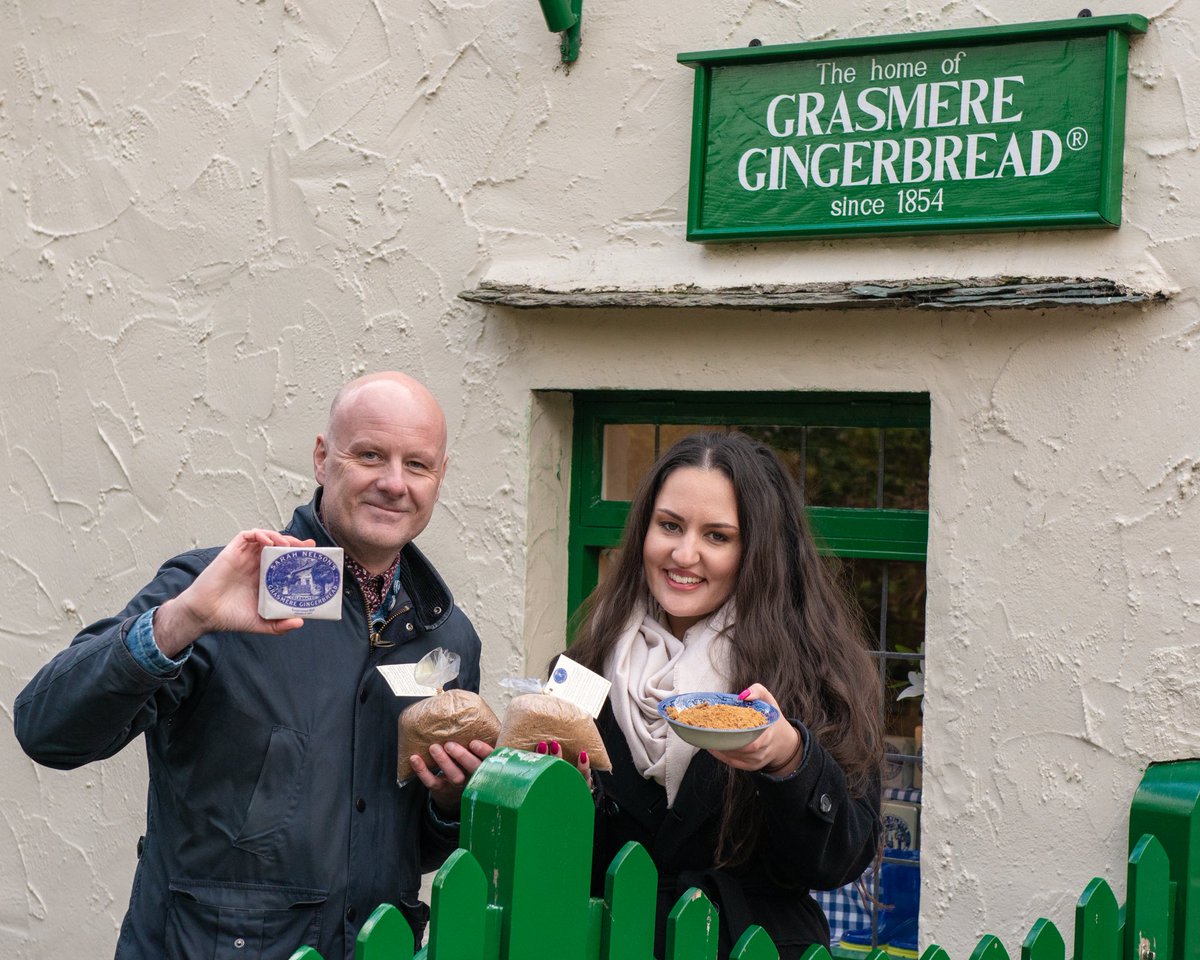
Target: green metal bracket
[570,37]
[564,16]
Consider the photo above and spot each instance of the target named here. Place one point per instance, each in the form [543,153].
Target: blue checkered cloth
[844,907]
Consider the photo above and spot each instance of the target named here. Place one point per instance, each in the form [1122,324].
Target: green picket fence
[518,888]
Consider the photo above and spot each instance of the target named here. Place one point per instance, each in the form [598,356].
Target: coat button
[351,914]
[408,627]
[436,611]
[239,943]
[360,805]
[826,803]
[362,695]
[611,807]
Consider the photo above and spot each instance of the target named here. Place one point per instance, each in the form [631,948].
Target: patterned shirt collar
[375,587]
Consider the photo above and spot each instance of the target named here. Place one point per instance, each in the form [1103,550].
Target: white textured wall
[213,214]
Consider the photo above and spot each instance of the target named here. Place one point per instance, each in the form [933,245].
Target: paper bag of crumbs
[455,715]
[534,717]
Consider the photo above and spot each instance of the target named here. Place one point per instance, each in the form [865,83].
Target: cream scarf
[647,664]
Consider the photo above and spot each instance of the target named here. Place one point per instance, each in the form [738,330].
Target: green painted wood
[763,176]
[527,849]
[1167,805]
[630,894]
[457,914]
[989,948]
[595,926]
[1125,23]
[754,944]
[1096,924]
[692,928]
[493,921]
[1147,903]
[885,534]
[528,820]
[1043,942]
[840,531]
[385,936]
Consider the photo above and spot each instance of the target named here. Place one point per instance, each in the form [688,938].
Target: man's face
[381,463]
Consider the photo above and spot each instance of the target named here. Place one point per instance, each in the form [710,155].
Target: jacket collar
[431,598]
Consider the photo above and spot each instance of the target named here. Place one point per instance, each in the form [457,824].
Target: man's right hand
[224,596]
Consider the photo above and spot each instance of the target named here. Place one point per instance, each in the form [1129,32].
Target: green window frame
[852,532]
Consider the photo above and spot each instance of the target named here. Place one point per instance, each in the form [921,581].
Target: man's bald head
[388,386]
[380,463]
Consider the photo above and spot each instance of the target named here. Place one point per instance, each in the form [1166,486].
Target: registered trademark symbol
[1077,138]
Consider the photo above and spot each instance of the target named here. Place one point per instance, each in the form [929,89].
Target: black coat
[814,835]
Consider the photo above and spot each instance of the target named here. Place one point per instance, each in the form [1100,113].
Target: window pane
[788,442]
[902,626]
[906,607]
[862,579]
[628,453]
[905,634]
[842,467]
[906,468]
[668,433]
[608,561]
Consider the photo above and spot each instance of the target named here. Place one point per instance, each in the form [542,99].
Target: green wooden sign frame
[1009,159]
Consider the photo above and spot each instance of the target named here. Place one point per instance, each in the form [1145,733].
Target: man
[274,818]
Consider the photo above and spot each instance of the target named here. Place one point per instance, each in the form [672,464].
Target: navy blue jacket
[273,814]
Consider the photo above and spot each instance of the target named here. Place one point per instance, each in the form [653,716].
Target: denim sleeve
[143,649]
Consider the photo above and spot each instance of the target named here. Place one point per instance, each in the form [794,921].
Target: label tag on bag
[577,684]
[401,677]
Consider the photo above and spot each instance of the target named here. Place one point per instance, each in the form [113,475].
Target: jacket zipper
[376,627]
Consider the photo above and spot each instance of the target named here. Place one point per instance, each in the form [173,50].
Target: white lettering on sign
[911,160]
[910,146]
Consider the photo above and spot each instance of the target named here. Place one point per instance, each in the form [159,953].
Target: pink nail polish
[744,694]
[541,747]
[583,756]
[555,749]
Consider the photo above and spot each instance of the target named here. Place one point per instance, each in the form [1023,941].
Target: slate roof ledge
[925,294]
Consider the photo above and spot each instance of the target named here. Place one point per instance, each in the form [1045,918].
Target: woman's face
[693,546]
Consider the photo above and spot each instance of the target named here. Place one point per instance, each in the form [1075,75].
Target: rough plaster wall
[210,216]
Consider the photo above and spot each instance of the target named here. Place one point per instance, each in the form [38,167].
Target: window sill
[990,293]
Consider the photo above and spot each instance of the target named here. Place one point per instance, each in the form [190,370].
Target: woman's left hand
[778,746]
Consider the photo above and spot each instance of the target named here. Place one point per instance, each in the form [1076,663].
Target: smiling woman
[693,548]
[719,587]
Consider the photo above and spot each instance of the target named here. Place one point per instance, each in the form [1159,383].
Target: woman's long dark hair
[796,630]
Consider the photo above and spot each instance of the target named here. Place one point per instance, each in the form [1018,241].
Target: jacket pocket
[240,921]
[276,793]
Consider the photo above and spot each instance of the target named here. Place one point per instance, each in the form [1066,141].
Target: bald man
[274,818]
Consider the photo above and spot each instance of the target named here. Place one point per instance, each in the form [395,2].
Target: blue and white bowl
[709,738]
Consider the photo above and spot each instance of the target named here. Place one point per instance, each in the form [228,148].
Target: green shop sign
[989,129]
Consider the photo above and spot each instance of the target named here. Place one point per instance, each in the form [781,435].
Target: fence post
[528,821]
[1167,806]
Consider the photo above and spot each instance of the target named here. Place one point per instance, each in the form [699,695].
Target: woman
[719,587]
